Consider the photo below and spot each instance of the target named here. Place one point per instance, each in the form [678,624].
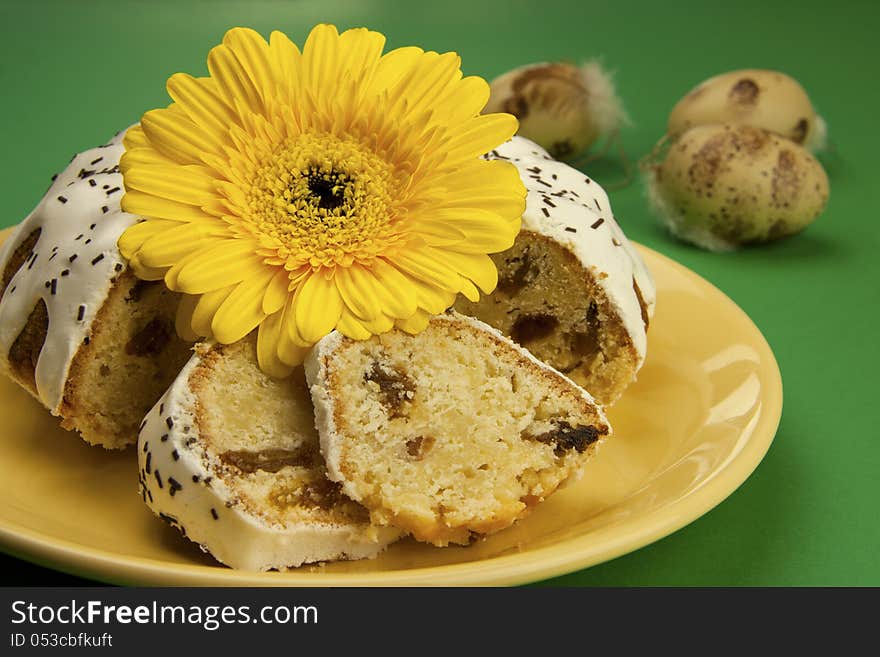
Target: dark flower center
[328,188]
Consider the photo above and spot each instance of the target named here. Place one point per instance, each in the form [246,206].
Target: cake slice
[572,289]
[230,457]
[450,434]
[78,331]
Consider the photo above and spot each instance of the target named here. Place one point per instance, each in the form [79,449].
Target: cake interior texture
[550,304]
[453,433]
[131,357]
[259,432]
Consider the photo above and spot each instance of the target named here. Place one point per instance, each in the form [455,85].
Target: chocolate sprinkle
[81,313]
[98,258]
[214,514]
[158,479]
[570,229]
[63,199]
[175,455]
[597,223]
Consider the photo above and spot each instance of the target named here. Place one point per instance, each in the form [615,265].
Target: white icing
[560,197]
[179,482]
[74,263]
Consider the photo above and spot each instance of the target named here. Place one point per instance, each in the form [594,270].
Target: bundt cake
[572,289]
[450,434]
[92,343]
[230,457]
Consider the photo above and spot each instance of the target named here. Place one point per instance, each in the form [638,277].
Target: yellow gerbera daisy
[335,187]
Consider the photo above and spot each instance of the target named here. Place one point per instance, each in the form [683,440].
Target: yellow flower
[335,187]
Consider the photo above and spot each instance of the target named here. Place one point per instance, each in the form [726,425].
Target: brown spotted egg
[760,98]
[721,186]
[563,108]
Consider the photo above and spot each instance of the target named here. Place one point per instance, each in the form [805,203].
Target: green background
[72,73]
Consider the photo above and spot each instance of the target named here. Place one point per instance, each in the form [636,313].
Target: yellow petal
[172,133]
[317,307]
[356,288]
[172,273]
[431,298]
[378,325]
[478,267]
[393,67]
[134,236]
[276,292]
[431,74]
[147,205]
[134,138]
[183,319]
[360,50]
[495,188]
[469,290]
[143,156]
[489,230]
[393,289]
[435,273]
[242,310]
[218,266]
[176,183]
[200,101]
[286,57]
[252,53]
[320,56]
[206,307]
[480,135]
[291,338]
[464,100]
[351,327]
[142,271]
[234,83]
[415,323]
[267,347]
[169,246]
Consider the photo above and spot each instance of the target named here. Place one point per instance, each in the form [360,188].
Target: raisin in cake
[450,434]
[572,289]
[230,457]
[92,343]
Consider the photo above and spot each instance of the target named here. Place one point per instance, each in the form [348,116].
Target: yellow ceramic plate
[694,426]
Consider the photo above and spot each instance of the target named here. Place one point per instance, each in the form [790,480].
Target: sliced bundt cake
[449,434]
[92,343]
[230,457]
[572,289]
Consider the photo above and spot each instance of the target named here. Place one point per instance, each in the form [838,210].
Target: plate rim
[543,563]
